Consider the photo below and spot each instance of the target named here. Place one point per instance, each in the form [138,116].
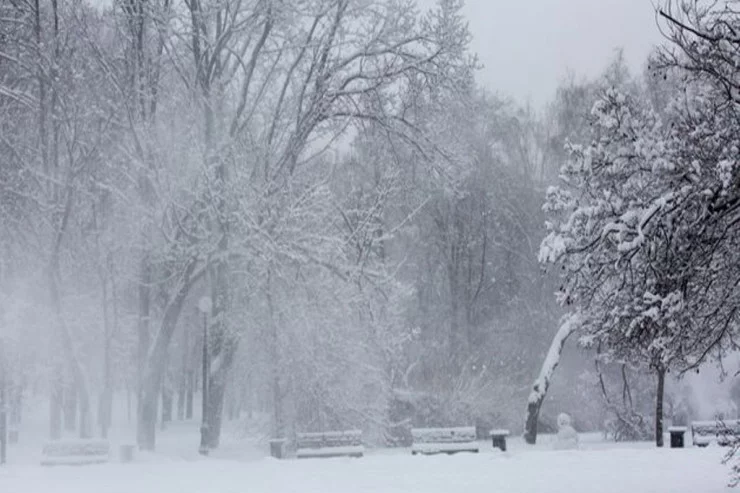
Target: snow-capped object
[567,437]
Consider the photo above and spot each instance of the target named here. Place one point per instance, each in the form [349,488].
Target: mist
[226,225]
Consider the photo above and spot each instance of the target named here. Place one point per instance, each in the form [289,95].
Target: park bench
[346,443]
[75,453]
[723,432]
[429,441]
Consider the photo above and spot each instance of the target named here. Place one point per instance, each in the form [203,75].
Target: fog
[528,48]
[242,221]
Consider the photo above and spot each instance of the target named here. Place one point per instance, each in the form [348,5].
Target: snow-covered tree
[568,122]
[633,232]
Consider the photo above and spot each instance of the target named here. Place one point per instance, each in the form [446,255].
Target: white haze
[528,47]
[391,281]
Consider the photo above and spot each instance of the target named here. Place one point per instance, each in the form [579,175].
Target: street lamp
[204,306]
[3,408]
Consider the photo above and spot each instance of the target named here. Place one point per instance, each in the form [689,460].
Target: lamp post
[204,306]
[3,408]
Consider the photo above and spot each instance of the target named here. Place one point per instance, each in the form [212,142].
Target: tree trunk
[146,426]
[277,408]
[70,408]
[143,331]
[128,403]
[248,397]
[105,410]
[542,384]
[153,375]
[216,393]
[16,411]
[659,408]
[205,403]
[181,404]
[183,377]
[5,396]
[189,396]
[221,346]
[454,336]
[233,399]
[78,394]
[85,424]
[3,412]
[166,405]
[76,391]
[77,410]
[278,426]
[56,403]
[533,416]
[166,394]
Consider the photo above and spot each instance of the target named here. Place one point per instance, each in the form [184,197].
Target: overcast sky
[528,46]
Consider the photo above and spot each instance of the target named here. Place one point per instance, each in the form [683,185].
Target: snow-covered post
[542,383]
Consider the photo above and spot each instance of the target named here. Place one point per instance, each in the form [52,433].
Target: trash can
[677,434]
[277,448]
[498,439]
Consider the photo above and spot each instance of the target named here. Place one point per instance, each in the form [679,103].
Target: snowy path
[618,470]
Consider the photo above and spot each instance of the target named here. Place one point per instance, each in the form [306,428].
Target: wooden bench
[326,444]
[429,441]
[723,432]
[75,453]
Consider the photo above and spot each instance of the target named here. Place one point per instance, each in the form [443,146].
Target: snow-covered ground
[241,467]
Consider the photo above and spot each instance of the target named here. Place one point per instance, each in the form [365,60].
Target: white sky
[528,46]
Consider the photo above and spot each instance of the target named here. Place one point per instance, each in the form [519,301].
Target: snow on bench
[443,440]
[347,443]
[75,453]
[723,432]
